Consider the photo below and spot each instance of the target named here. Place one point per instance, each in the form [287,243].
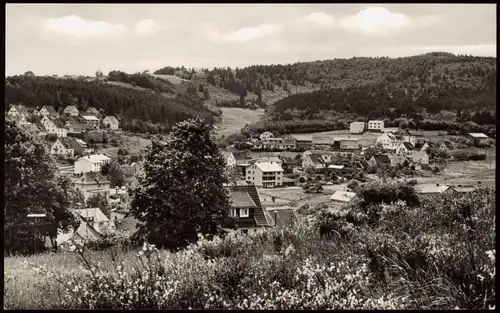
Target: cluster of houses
[75,122]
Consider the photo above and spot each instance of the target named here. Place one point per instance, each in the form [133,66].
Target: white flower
[481,277]
[72,248]
[140,253]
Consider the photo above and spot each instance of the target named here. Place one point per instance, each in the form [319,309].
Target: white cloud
[241,35]
[147,27]
[319,18]
[375,20]
[77,27]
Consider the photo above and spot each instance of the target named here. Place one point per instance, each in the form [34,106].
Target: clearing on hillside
[234,119]
[171,78]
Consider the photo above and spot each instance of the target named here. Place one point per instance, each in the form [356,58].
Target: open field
[234,119]
[133,144]
[171,78]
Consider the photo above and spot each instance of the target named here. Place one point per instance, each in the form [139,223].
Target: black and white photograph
[250,156]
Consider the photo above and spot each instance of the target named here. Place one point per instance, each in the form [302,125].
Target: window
[233,212]
[243,212]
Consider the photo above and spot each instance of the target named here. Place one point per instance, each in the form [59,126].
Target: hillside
[139,110]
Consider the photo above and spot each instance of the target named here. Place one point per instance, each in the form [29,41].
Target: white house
[91,163]
[405,148]
[63,146]
[264,174]
[375,125]
[17,110]
[349,143]
[230,159]
[91,184]
[95,218]
[413,137]
[389,141]
[357,127]
[54,126]
[91,121]
[420,159]
[48,110]
[479,139]
[111,122]
[433,189]
[71,110]
[265,135]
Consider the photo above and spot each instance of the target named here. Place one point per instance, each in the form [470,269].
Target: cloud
[242,34]
[319,18]
[375,20]
[147,27]
[79,28]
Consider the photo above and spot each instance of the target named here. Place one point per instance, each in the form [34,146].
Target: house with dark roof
[405,148]
[91,111]
[478,139]
[247,209]
[381,160]
[17,110]
[446,146]
[71,110]
[81,147]
[48,110]
[289,164]
[54,126]
[76,125]
[63,147]
[92,183]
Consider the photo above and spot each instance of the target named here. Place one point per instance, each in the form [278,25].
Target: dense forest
[139,110]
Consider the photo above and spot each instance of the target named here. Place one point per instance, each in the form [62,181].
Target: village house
[405,148]
[381,160]
[479,139]
[246,208]
[446,146]
[463,188]
[71,110]
[91,111]
[390,130]
[81,147]
[375,126]
[289,164]
[313,160]
[413,137]
[54,126]
[49,111]
[420,159]
[76,125]
[265,135]
[111,122]
[322,142]
[339,198]
[18,110]
[230,159]
[91,184]
[93,225]
[349,143]
[397,159]
[91,163]
[357,127]
[264,174]
[425,146]
[20,120]
[275,159]
[91,121]
[389,141]
[302,142]
[63,147]
[433,189]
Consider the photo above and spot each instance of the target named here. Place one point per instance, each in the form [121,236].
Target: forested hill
[270,83]
[419,87]
[139,110]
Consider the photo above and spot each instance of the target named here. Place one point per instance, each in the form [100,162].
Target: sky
[79,39]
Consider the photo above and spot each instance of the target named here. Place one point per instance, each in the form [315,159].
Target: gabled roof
[322,140]
[260,217]
[241,199]
[336,167]
[57,122]
[418,155]
[316,158]
[81,143]
[382,158]
[21,109]
[342,196]
[408,145]
[40,127]
[111,119]
[32,128]
[50,109]
[16,118]
[226,154]
[268,166]
[290,161]
[71,108]
[346,139]
[266,159]
[67,142]
[95,213]
[92,110]
[447,144]
[415,133]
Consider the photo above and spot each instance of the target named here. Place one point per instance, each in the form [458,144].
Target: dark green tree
[31,187]
[182,192]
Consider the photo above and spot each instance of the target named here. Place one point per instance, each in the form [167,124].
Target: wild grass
[411,254]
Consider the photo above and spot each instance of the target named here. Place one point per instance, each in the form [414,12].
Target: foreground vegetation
[390,249]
